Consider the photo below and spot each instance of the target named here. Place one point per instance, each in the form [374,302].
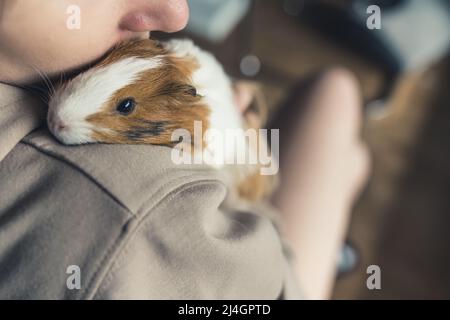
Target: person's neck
[14,75]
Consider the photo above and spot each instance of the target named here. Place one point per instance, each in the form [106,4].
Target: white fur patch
[87,93]
[215,86]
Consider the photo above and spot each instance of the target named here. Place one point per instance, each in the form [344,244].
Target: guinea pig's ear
[180,89]
[158,44]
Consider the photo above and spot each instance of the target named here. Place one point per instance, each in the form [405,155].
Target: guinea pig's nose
[58,124]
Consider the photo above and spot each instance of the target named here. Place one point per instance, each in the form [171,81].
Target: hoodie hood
[20,113]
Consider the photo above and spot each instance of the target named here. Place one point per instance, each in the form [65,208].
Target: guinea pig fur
[141,93]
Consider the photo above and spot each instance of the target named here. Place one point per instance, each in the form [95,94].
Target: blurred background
[402,221]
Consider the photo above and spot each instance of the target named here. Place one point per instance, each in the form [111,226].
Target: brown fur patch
[256,187]
[145,49]
[165,100]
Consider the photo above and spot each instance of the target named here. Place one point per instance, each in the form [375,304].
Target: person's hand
[250,102]
[244,93]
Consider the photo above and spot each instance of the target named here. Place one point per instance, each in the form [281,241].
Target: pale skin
[323,169]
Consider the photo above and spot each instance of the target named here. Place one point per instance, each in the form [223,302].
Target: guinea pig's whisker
[37,91]
[48,83]
[52,87]
[62,78]
[43,77]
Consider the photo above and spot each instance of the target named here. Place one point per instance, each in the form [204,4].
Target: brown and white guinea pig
[144,90]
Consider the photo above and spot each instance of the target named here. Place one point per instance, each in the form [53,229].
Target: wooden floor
[402,220]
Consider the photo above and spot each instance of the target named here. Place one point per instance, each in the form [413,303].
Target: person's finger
[243,95]
[361,166]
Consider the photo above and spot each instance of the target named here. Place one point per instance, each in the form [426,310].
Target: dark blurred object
[383,3]
[412,34]
[339,23]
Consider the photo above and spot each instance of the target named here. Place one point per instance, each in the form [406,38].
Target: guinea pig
[142,92]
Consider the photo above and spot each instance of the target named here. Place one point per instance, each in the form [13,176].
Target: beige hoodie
[124,221]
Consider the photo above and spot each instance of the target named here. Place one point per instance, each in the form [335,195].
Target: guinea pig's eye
[191,91]
[126,106]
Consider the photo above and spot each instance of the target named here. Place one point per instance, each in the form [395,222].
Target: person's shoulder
[83,204]
[168,213]
[130,173]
